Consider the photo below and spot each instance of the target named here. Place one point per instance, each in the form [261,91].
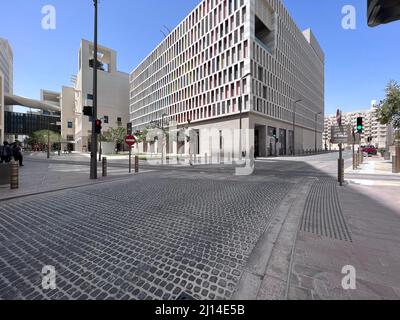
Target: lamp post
[164,138]
[48,136]
[93,160]
[241,153]
[316,124]
[294,125]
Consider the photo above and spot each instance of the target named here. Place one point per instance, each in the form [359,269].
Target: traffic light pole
[93,158]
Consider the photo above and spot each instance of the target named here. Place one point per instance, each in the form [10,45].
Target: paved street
[202,231]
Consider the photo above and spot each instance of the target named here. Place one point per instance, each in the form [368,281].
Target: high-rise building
[230,62]
[113,97]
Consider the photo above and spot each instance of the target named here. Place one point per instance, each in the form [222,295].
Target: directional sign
[130,140]
[341,134]
[339,117]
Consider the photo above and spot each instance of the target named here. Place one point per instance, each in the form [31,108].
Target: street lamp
[164,137]
[241,153]
[48,136]
[294,125]
[316,124]
[93,160]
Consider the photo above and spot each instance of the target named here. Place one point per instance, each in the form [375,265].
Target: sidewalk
[375,171]
[319,230]
[374,251]
[40,176]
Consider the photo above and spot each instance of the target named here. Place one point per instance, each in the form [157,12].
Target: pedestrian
[5,152]
[17,154]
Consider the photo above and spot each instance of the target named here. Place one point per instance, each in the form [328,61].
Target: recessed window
[264,35]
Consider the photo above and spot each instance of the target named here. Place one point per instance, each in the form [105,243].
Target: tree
[41,138]
[389,110]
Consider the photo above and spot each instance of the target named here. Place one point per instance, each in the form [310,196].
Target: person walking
[5,153]
[17,154]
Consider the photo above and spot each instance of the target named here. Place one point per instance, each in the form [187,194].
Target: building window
[70,125]
[106,119]
[119,121]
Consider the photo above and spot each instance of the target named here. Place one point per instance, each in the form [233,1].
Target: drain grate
[323,214]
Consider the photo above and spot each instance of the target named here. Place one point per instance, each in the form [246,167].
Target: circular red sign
[130,140]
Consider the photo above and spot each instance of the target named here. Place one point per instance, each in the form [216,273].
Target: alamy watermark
[49,20]
[349,20]
[349,280]
[49,278]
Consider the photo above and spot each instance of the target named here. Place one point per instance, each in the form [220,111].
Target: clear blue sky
[359,62]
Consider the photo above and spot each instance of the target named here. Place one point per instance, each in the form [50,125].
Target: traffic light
[382,11]
[88,111]
[98,124]
[360,126]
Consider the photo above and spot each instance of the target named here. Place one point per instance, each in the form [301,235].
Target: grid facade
[6,65]
[227,56]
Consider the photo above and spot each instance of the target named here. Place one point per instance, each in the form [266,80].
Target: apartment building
[113,97]
[378,133]
[234,64]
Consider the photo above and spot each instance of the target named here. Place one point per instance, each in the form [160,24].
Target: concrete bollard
[14,175]
[136,164]
[104,166]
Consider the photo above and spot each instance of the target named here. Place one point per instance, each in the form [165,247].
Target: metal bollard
[136,164]
[14,175]
[104,166]
[395,168]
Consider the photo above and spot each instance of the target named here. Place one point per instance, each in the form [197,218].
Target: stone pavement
[285,232]
[42,176]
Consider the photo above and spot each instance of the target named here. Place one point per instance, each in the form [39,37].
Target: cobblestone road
[151,237]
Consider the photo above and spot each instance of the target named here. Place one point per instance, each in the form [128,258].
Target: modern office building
[380,135]
[232,64]
[113,97]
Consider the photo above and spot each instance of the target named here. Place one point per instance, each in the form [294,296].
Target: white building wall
[6,67]
[197,73]
[113,94]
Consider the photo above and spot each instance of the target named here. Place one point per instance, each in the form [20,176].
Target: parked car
[370,150]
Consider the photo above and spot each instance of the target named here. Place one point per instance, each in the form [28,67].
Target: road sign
[339,117]
[130,140]
[341,134]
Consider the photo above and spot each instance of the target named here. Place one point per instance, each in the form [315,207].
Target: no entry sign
[130,140]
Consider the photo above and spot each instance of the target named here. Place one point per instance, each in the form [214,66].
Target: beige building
[379,134]
[6,67]
[229,60]
[113,97]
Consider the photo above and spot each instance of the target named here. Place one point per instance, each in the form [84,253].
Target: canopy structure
[13,100]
